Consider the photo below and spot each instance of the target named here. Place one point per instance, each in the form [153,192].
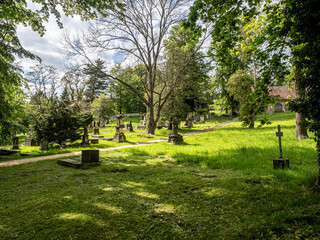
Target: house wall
[271,107]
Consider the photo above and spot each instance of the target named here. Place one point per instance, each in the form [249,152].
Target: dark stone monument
[175,137]
[89,158]
[85,138]
[119,136]
[94,141]
[280,162]
[63,145]
[15,143]
[130,127]
[44,146]
[96,131]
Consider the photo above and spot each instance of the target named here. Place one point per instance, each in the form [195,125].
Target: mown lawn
[108,131]
[218,185]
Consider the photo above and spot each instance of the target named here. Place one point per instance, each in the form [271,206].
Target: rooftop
[284,92]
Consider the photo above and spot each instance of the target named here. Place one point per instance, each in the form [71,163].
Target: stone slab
[281,163]
[77,163]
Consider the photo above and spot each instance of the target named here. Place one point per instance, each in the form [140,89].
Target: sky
[50,47]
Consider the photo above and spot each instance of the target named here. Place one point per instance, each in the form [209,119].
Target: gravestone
[129,127]
[280,162]
[119,136]
[189,121]
[63,145]
[94,141]
[96,131]
[15,143]
[207,116]
[201,121]
[175,137]
[30,142]
[44,145]
[85,138]
[196,118]
[143,123]
[89,158]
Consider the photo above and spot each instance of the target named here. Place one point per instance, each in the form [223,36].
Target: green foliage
[55,121]
[102,108]
[125,100]
[97,81]
[191,91]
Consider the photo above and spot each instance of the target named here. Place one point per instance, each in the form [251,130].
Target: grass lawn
[218,185]
[108,132]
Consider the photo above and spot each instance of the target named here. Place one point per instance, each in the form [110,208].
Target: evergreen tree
[97,81]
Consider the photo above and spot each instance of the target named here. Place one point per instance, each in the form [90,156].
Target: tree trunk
[252,123]
[318,160]
[301,132]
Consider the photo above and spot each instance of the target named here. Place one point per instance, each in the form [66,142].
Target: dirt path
[62,155]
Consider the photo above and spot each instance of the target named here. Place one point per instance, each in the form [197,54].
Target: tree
[240,87]
[190,92]
[14,12]
[43,82]
[55,121]
[289,35]
[96,83]
[102,108]
[125,100]
[73,80]
[138,33]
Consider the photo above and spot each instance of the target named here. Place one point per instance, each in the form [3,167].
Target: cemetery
[159,119]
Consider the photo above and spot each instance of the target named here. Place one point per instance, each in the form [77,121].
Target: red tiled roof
[284,92]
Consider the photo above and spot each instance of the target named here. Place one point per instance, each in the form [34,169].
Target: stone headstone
[15,143]
[201,121]
[44,145]
[130,127]
[89,158]
[96,131]
[189,121]
[94,141]
[175,137]
[119,135]
[30,142]
[63,145]
[85,138]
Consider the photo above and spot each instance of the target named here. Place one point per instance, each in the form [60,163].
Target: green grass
[108,132]
[218,185]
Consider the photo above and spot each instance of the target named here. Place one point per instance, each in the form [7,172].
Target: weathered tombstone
[196,118]
[189,121]
[119,136]
[30,142]
[15,143]
[94,141]
[63,145]
[85,138]
[44,146]
[280,162]
[89,158]
[96,131]
[201,119]
[130,127]
[175,137]
[207,116]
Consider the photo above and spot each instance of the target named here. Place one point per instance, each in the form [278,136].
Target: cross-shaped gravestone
[279,134]
[280,162]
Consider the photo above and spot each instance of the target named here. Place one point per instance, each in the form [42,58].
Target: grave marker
[280,162]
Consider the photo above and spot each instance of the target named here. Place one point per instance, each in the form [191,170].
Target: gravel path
[62,155]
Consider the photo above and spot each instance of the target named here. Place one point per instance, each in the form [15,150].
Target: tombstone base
[85,144]
[175,139]
[77,163]
[280,163]
[119,137]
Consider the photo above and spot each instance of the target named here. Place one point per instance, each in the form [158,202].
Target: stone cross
[279,134]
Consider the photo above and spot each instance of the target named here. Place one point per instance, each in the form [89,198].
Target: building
[282,94]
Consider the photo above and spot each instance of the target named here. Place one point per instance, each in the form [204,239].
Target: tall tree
[73,80]
[97,81]
[138,32]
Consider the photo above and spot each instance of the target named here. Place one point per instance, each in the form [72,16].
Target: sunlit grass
[219,185]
